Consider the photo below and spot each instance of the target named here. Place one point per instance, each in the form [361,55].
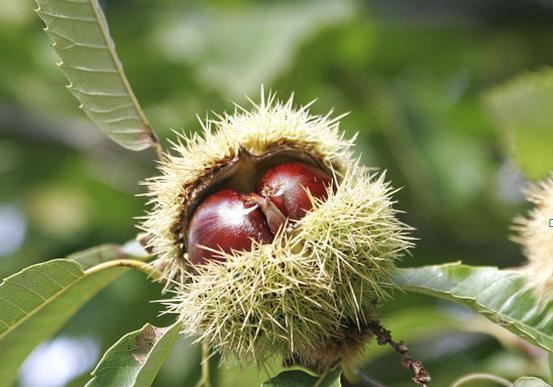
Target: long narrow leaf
[80,35]
[136,358]
[500,295]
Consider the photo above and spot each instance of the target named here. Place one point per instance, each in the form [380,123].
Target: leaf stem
[481,376]
[144,267]
[158,148]
[204,381]
[384,336]
[350,373]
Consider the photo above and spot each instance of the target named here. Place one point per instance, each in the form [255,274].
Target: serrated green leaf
[500,295]
[298,378]
[529,381]
[136,358]
[522,107]
[36,302]
[80,35]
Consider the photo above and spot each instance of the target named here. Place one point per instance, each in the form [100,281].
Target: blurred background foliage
[424,83]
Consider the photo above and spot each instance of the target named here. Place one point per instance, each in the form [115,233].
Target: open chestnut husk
[276,241]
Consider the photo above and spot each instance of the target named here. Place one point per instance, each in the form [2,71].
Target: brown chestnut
[227,221]
[286,186]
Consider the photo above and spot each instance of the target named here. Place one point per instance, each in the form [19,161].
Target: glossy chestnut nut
[286,186]
[227,221]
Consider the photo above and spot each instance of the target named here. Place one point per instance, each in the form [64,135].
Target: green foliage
[136,358]
[522,108]
[503,296]
[434,139]
[81,38]
[298,378]
[36,302]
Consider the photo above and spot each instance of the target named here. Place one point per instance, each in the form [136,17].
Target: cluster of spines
[307,288]
[269,124]
[535,234]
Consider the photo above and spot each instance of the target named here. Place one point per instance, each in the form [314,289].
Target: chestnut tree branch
[383,337]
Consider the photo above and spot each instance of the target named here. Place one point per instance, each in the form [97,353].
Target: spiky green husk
[304,294]
[271,124]
[536,237]
[309,295]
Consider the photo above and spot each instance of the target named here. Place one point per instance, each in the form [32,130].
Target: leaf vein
[6,301]
[67,17]
[74,42]
[47,277]
[41,305]
[119,119]
[105,111]
[99,93]
[29,290]
[87,69]
[4,322]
